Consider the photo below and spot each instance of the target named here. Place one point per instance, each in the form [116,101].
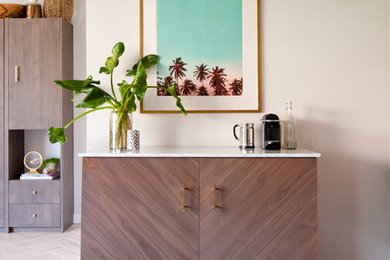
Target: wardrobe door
[258,208]
[33,64]
[140,208]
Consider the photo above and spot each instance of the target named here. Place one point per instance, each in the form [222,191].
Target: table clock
[32,160]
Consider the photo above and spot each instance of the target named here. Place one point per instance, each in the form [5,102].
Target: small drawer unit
[35,191]
[34,215]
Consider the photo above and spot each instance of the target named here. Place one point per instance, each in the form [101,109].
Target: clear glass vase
[120,122]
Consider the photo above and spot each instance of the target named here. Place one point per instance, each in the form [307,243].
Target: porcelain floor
[41,246]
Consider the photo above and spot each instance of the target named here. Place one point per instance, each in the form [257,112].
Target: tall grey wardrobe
[34,53]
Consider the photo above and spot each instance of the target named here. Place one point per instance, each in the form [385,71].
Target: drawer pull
[183,201]
[34,215]
[215,189]
[17,73]
[35,192]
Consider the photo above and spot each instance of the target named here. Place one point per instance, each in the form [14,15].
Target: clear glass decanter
[289,128]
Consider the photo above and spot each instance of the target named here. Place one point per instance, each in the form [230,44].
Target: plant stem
[116,105]
[123,124]
[85,113]
[112,85]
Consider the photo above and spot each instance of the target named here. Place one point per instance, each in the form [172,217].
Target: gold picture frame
[259,78]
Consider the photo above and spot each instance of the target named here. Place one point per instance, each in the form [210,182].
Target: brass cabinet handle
[17,73]
[215,189]
[35,192]
[34,215]
[183,201]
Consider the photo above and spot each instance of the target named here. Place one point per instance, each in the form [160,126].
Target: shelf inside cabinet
[18,180]
[23,141]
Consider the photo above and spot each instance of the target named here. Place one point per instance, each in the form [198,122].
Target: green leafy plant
[96,97]
[49,161]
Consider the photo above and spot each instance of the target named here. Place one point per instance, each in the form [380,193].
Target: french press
[246,135]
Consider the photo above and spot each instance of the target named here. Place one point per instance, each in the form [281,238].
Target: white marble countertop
[201,152]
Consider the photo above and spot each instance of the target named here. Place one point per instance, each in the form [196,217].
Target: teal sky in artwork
[199,31]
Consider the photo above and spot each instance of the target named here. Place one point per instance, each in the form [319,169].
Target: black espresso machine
[270,132]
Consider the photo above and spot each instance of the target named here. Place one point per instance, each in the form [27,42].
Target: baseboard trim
[47,229]
[77,218]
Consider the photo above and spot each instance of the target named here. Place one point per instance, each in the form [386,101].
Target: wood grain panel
[35,191]
[2,126]
[47,215]
[67,154]
[131,208]
[34,101]
[269,208]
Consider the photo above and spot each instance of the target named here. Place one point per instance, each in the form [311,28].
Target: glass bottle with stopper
[289,128]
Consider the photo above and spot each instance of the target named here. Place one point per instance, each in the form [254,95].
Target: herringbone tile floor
[41,246]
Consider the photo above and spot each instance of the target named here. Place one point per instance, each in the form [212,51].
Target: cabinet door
[34,63]
[266,208]
[2,174]
[132,208]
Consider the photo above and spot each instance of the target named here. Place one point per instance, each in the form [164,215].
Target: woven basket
[12,11]
[58,8]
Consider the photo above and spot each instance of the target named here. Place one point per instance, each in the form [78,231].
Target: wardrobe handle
[17,73]
[183,200]
[215,189]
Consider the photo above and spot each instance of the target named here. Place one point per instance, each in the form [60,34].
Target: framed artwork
[209,48]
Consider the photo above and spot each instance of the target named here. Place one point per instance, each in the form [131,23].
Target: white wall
[80,68]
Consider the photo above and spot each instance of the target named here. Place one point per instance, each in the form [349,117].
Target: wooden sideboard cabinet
[199,208]
[34,53]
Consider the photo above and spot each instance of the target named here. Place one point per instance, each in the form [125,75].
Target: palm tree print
[160,84]
[217,81]
[202,91]
[236,87]
[188,88]
[166,83]
[177,69]
[203,80]
[201,72]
